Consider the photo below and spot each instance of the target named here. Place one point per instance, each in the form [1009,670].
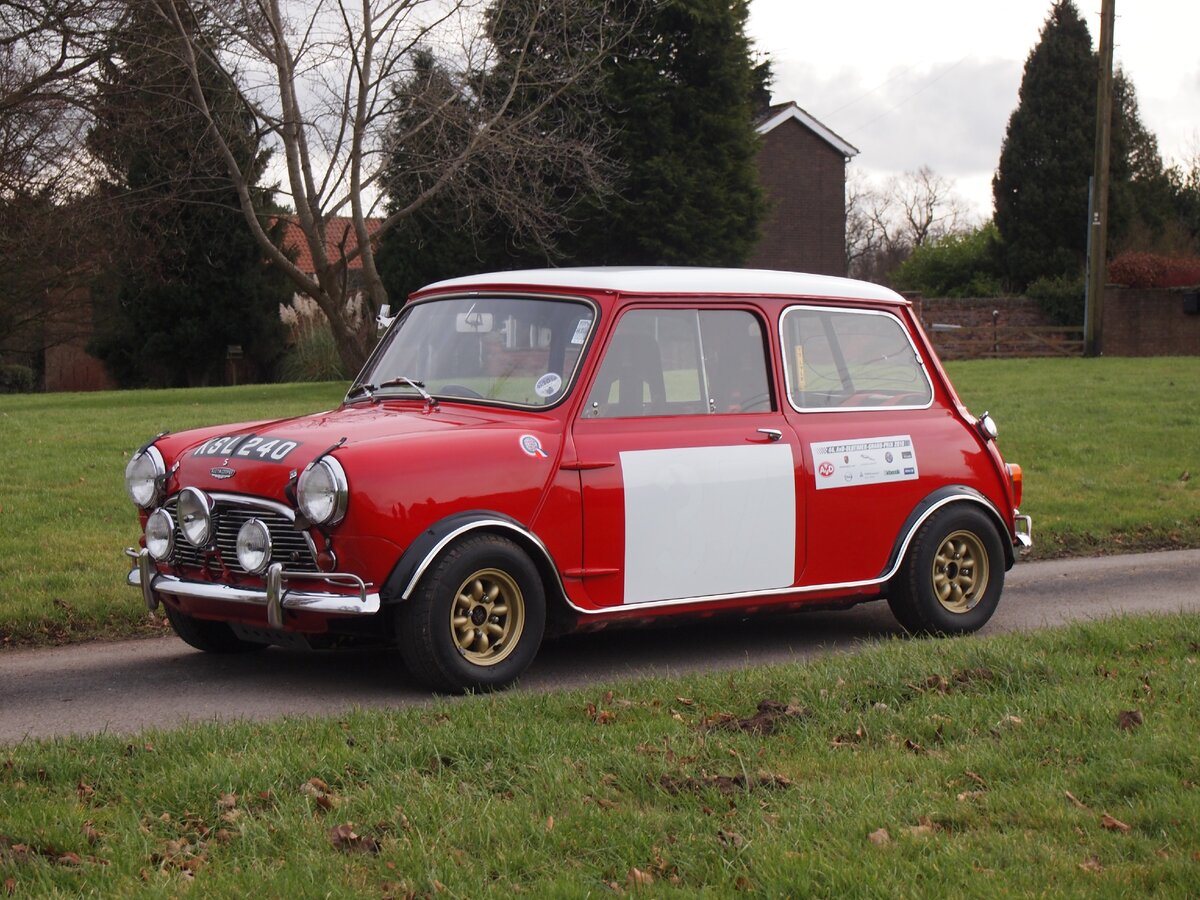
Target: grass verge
[1059,763]
[64,514]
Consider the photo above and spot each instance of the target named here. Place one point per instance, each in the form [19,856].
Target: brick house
[802,168]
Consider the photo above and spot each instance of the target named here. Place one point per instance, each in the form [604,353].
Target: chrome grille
[288,546]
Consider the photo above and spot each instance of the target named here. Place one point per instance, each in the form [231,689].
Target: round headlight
[160,535]
[322,491]
[195,518]
[143,477]
[254,546]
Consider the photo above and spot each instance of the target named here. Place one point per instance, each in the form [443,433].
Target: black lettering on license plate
[261,447]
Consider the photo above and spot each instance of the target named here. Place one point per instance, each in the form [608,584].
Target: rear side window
[851,359]
[677,362]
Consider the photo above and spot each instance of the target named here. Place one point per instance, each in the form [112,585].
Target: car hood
[260,457]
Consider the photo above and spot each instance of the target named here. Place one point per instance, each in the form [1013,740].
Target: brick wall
[1149,322]
[805,182]
[68,328]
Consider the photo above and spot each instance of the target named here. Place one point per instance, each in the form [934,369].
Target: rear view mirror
[385,318]
[473,323]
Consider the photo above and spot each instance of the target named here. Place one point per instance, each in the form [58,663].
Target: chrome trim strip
[472,526]
[808,589]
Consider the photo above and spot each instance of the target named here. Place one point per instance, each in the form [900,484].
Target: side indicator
[1014,476]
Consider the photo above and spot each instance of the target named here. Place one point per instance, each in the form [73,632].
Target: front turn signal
[1014,476]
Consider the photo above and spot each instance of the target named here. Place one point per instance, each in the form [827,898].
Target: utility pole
[1098,225]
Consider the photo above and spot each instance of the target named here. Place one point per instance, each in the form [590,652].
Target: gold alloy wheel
[487,617]
[960,572]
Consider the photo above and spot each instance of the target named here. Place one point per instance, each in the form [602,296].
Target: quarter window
[851,359]
[683,362]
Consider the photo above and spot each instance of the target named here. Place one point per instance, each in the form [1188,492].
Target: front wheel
[951,579]
[211,637]
[476,620]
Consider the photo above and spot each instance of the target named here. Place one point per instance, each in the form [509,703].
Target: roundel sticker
[548,385]
[532,447]
[825,469]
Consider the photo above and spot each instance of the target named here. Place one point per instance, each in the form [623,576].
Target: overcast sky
[933,82]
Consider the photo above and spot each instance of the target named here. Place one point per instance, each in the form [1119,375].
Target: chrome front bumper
[1024,532]
[276,597]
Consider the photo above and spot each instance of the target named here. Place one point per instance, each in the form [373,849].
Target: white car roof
[677,280]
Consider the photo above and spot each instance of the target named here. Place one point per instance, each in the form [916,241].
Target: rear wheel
[211,637]
[476,620]
[951,580]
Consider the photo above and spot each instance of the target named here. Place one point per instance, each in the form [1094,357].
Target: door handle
[773,434]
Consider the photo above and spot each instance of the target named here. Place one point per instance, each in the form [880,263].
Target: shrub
[312,354]
[15,379]
[958,265]
[1059,298]
[1149,270]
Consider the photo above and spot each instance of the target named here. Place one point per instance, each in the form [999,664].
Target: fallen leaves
[771,716]
[880,837]
[344,838]
[600,716]
[1129,719]
[1108,822]
[320,794]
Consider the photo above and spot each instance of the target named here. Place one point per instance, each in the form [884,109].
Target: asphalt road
[126,686]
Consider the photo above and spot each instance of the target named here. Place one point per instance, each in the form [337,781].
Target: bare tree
[885,224]
[319,78]
[47,49]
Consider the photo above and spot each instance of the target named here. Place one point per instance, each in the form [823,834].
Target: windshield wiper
[418,386]
[368,389]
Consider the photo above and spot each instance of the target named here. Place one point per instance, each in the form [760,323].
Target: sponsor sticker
[548,385]
[532,447]
[859,461]
[261,447]
[581,331]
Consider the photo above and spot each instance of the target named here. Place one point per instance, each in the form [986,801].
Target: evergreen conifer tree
[678,100]
[1041,184]
[187,280]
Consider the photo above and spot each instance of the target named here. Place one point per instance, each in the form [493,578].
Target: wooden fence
[1005,341]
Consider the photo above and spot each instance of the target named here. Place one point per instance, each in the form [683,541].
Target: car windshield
[514,350]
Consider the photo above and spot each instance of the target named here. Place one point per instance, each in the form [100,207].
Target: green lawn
[1061,763]
[1107,447]
[64,514]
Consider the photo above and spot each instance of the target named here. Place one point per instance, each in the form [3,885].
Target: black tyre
[476,620]
[211,637]
[951,580]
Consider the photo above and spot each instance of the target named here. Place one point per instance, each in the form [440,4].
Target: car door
[688,467]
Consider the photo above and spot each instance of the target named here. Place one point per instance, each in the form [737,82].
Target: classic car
[567,449]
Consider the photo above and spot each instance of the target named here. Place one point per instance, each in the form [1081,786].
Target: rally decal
[261,447]
[701,521]
[532,447]
[875,460]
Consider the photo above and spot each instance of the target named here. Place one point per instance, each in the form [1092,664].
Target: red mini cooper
[562,449]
